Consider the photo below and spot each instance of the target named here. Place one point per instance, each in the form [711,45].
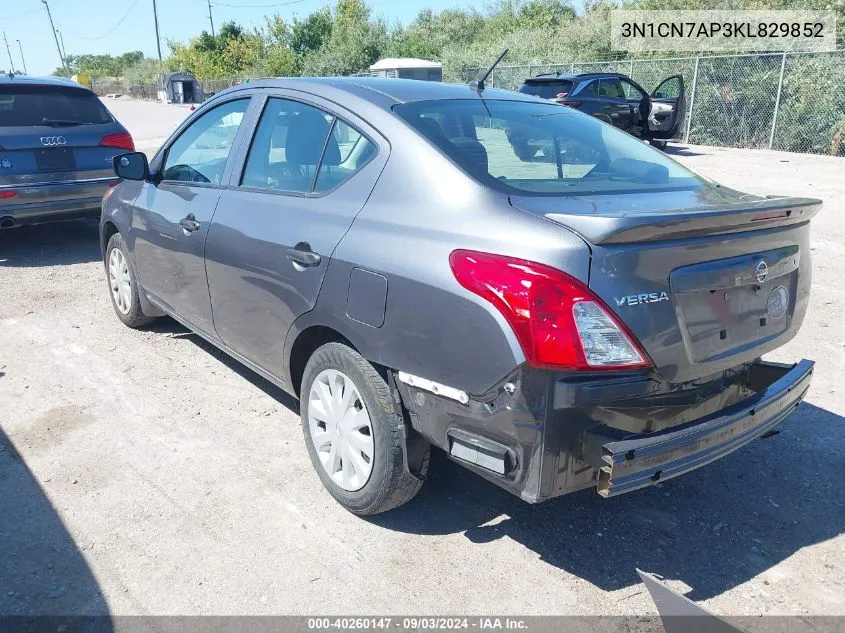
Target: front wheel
[123,287]
[354,432]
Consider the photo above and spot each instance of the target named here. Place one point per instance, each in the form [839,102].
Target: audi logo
[53,140]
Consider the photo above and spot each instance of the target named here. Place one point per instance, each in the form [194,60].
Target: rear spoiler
[631,227]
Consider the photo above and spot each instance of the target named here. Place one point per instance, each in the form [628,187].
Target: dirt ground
[142,472]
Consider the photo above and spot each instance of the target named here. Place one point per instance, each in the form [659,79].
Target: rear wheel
[123,288]
[354,432]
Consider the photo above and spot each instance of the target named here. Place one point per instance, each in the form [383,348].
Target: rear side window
[546,89]
[354,150]
[26,105]
[611,88]
[536,148]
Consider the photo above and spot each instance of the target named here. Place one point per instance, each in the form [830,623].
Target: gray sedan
[589,316]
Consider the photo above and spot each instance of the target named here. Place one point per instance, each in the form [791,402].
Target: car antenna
[478,84]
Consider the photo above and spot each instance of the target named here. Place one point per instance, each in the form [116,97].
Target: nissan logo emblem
[53,140]
[761,271]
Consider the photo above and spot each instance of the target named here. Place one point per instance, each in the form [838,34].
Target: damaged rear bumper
[638,461]
[541,435]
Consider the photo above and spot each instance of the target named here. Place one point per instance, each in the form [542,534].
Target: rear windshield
[526,148]
[546,89]
[50,105]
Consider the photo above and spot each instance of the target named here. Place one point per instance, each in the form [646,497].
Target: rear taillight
[559,322]
[122,140]
[562,95]
[8,194]
[571,104]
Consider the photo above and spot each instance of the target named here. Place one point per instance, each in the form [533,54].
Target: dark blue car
[57,141]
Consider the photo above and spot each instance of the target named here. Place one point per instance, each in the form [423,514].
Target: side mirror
[131,166]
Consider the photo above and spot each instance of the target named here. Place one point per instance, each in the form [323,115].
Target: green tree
[354,44]
[310,34]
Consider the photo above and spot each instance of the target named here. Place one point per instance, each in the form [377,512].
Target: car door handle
[303,255]
[189,223]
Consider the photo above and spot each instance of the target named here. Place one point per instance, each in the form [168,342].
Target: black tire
[135,316]
[389,484]
[661,145]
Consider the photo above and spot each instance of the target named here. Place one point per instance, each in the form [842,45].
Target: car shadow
[53,244]
[680,150]
[43,574]
[169,326]
[714,529]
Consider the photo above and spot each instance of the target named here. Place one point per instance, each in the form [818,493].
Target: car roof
[573,76]
[381,91]
[28,80]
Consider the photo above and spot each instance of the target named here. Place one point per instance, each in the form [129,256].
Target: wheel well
[109,229]
[305,345]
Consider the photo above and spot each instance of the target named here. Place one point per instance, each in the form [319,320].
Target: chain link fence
[787,101]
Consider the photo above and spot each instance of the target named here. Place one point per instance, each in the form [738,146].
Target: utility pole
[210,19]
[62,41]
[9,52]
[23,61]
[55,37]
[158,39]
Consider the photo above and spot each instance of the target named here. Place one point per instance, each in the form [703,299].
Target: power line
[256,6]
[112,29]
[19,15]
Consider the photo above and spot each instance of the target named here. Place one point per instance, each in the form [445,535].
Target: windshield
[30,105]
[527,148]
[546,89]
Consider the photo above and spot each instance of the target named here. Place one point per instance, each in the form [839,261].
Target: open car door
[668,108]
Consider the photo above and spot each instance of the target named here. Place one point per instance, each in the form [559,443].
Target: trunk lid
[706,279]
[42,154]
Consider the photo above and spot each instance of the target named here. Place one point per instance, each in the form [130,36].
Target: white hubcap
[341,429]
[121,286]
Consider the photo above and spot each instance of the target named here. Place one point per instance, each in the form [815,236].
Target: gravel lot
[146,473]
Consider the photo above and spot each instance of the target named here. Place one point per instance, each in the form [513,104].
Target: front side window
[200,153]
[535,148]
[632,93]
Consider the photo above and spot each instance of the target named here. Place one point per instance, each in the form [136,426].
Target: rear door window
[546,89]
[287,146]
[298,148]
[610,87]
[31,105]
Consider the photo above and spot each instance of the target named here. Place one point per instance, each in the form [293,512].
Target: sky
[117,26]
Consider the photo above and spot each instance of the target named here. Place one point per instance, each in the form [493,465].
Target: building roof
[404,62]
